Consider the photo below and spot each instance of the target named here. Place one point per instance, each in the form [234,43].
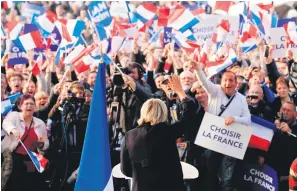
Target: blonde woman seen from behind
[149,154]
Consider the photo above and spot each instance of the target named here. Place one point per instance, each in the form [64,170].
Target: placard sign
[229,140]
[259,178]
[278,38]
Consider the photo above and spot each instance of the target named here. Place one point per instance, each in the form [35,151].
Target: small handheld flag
[38,160]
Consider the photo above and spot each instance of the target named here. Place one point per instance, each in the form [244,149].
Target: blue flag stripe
[263,122]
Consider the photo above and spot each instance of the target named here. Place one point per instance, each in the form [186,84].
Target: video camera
[117,78]
[72,103]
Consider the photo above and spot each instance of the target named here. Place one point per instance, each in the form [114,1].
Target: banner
[16,56]
[28,10]
[100,12]
[229,140]
[259,178]
[278,38]
[208,26]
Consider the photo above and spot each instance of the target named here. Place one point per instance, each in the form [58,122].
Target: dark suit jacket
[149,155]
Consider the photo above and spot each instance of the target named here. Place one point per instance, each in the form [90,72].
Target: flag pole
[82,37]
[93,24]
[30,76]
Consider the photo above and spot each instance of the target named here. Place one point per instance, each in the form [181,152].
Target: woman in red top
[32,132]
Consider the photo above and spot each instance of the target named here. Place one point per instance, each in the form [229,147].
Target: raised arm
[188,109]
[208,86]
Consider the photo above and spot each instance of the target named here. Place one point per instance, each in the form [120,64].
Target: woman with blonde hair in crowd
[149,154]
[41,99]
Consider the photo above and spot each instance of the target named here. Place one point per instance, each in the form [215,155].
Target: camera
[72,103]
[117,78]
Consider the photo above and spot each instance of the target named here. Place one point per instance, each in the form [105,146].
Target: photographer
[284,144]
[68,133]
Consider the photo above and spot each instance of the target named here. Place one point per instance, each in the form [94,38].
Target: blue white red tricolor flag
[262,133]
[38,160]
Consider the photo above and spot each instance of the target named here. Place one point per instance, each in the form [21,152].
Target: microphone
[283,119]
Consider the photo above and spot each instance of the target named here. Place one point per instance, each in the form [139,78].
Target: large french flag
[262,135]
[95,164]
[182,19]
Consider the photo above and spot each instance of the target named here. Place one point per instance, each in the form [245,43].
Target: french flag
[291,31]
[146,12]
[203,53]
[84,64]
[14,29]
[200,11]
[222,30]
[248,38]
[222,7]
[266,6]
[143,27]
[182,19]
[31,39]
[38,160]
[69,29]
[163,16]
[46,22]
[185,44]
[74,54]
[239,9]
[156,37]
[262,133]
[113,44]
[255,16]
[218,66]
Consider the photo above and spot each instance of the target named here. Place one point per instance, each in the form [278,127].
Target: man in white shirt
[237,111]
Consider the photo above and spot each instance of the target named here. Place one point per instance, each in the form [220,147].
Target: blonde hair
[40,94]
[153,111]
